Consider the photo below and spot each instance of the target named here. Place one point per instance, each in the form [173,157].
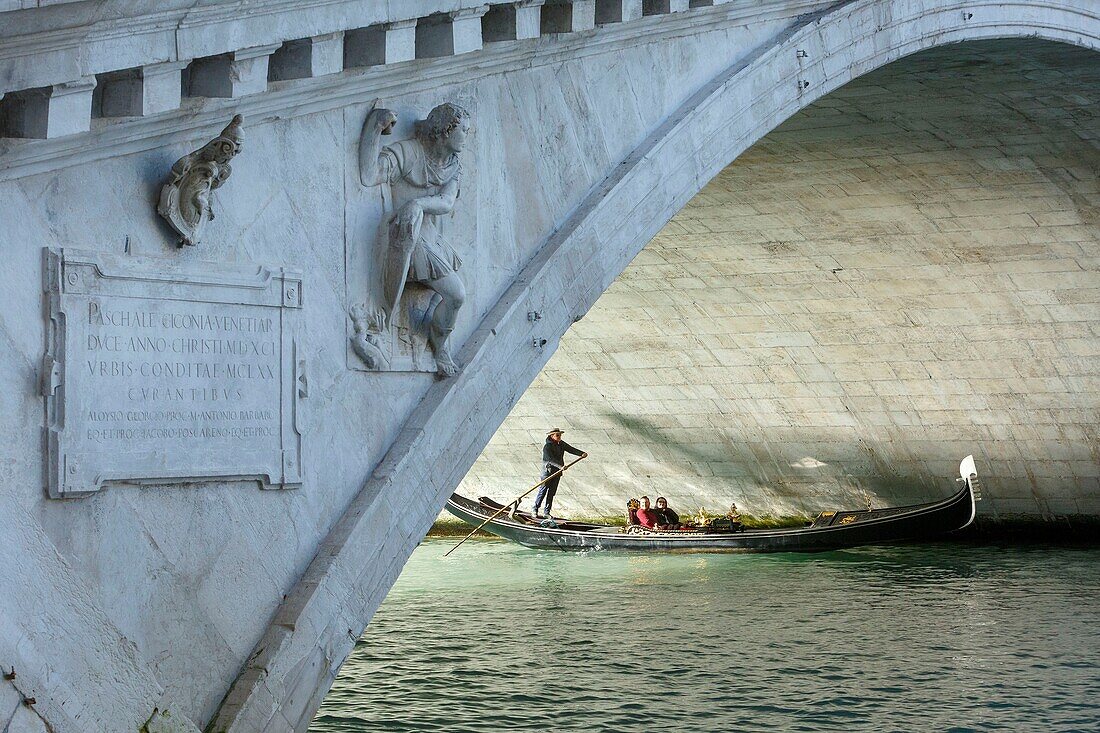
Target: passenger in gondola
[632,512]
[666,517]
[646,516]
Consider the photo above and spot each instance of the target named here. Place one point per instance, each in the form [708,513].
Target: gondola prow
[968,474]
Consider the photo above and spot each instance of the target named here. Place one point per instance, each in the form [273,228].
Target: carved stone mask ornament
[185,200]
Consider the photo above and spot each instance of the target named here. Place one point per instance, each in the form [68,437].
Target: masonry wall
[153,597]
[227,606]
[904,273]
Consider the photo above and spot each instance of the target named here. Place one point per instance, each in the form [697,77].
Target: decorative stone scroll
[158,371]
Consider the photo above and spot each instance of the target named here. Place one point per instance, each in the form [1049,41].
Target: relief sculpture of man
[422,175]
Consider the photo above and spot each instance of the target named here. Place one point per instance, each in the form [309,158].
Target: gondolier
[553,460]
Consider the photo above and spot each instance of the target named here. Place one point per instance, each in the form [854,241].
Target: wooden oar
[516,501]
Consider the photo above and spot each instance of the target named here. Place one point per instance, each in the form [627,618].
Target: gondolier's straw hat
[559,431]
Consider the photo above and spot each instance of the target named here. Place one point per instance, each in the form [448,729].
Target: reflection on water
[931,638]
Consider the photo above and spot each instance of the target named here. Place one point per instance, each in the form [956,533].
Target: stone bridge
[146,582]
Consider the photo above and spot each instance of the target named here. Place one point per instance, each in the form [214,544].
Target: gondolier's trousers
[548,489]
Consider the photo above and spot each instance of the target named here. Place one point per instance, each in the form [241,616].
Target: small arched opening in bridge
[900,274]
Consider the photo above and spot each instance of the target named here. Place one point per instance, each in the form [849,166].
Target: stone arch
[896,276]
[314,630]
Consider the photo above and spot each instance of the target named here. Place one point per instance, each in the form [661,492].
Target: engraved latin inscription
[181,373]
[179,383]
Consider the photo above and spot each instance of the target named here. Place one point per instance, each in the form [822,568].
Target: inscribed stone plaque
[164,372]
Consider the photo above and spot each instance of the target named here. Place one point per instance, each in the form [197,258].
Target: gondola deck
[829,531]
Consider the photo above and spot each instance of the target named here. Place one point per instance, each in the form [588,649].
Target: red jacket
[647,518]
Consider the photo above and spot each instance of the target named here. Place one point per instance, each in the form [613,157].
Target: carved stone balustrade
[663,7]
[450,34]
[514,21]
[232,75]
[568,16]
[387,43]
[617,11]
[308,57]
[48,112]
[148,61]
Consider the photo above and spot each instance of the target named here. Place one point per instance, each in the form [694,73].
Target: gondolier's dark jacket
[553,454]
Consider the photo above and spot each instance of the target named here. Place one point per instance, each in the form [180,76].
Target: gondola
[830,530]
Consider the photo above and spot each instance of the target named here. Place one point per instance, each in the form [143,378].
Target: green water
[923,638]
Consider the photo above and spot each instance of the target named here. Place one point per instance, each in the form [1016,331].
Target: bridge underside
[211,604]
[904,273]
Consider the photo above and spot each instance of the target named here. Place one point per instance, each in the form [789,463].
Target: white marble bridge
[150,390]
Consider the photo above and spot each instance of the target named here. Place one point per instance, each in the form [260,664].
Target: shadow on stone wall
[776,484]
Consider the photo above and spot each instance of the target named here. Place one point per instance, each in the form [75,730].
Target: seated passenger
[646,516]
[632,512]
[665,516]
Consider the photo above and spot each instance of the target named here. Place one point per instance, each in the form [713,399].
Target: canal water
[945,637]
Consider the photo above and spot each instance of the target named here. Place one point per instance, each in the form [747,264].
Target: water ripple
[932,638]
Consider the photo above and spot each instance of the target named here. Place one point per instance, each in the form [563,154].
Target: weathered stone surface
[162,721]
[143,388]
[10,700]
[161,577]
[26,720]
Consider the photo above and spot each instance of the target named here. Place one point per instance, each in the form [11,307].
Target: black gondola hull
[849,529]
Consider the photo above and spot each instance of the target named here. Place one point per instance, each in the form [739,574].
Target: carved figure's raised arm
[379,122]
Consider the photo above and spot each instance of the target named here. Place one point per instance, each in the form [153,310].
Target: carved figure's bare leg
[453,293]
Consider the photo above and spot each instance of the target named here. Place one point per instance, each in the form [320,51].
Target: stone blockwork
[221,606]
[906,272]
[296,659]
[153,597]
